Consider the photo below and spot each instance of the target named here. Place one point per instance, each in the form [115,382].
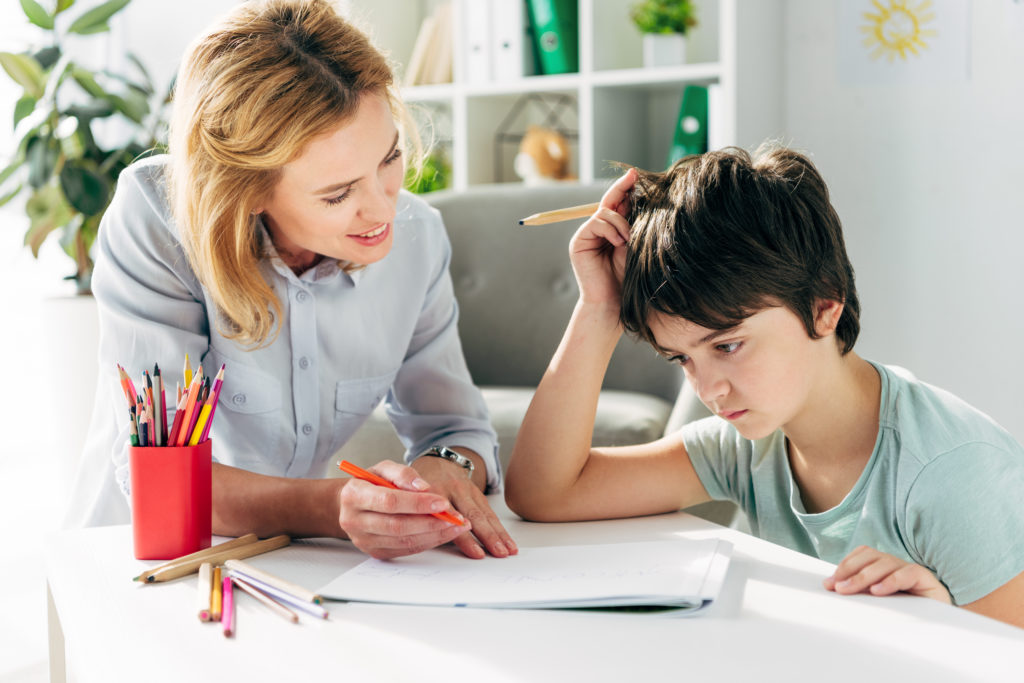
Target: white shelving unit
[623,112]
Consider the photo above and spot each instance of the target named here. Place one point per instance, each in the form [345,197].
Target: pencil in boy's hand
[359,473]
[558,215]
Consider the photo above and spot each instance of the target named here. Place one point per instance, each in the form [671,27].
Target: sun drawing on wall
[898,28]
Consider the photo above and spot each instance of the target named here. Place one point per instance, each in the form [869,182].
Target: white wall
[929,183]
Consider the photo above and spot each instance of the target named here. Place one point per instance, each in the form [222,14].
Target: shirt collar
[322,272]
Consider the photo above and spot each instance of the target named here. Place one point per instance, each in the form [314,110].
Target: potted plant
[664,24]
[61,166]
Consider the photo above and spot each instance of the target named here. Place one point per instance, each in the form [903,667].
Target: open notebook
[678,573]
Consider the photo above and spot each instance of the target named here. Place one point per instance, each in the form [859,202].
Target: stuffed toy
[543,157]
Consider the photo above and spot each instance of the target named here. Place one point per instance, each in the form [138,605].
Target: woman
[275,239]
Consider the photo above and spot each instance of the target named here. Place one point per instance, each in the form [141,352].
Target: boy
[736,269]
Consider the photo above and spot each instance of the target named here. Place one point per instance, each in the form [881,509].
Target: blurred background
[921,144]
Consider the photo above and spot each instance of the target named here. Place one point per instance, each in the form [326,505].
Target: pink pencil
[218,381]
[227,615]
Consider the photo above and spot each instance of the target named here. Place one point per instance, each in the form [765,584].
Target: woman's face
[337,199]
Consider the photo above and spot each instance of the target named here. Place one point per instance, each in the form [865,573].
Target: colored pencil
[287,598]
[227,619]
[359,473]
[205,590]
[558,215]
[133,427]
[247,570]
[157,407]
[218,382]
[200,556]
[200,428]
[270,603]
[179,415]
[218,595]
[193,395]
[187,373]
[178,569]
[126,384]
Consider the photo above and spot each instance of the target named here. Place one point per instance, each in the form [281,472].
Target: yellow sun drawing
[898,28]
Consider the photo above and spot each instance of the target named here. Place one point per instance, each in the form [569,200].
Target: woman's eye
[331,201]
[731,347]
[395,156]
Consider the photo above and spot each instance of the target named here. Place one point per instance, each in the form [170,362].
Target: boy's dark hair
[719,236]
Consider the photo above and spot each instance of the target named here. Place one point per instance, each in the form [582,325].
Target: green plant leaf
[25,71]
[48,56]
[9,171]
[92,110]
[36,14]
[85,78]
[23,108]
[86,191]
[143,70]
[63,5]
[42,154]
[11,195]
[133,104]
[95,20]
[47,211]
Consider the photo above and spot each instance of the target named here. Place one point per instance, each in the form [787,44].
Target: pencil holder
[171,500]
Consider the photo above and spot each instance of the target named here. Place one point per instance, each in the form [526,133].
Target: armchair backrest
[516,289]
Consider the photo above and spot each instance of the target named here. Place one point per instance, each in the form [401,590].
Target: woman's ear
[827,313]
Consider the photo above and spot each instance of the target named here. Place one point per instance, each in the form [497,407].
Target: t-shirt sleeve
[715,449]
[965,521]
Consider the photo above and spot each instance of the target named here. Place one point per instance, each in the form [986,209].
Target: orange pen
[359,473]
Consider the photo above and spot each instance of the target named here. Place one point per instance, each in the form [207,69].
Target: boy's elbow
[528,505]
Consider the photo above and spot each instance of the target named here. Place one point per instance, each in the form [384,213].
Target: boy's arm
[554,474]
[1005,603]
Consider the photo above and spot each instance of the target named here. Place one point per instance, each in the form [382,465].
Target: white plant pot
[664,49]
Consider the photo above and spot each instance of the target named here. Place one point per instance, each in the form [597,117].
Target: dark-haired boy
[736,269]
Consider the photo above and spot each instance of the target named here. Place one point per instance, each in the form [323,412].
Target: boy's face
[758,375]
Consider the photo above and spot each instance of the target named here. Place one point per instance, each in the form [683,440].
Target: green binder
[691,134]
[555,28]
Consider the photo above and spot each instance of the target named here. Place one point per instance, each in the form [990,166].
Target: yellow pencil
[566,214]
[217,596]
[197,433]
[188,371]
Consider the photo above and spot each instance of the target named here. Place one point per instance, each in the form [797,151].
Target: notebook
[681,574]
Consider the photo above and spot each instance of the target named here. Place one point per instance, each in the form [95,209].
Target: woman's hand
[868,570]
[598,249]
[449,480]
[386,523]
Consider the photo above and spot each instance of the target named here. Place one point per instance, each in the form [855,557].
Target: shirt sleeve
[433,400]
[150,311]
[964,519]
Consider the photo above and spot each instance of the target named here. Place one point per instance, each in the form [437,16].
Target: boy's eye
[679,360]
[731,347]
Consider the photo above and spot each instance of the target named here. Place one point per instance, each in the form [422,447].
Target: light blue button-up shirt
[346,342]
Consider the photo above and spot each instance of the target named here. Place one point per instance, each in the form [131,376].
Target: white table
[773,621]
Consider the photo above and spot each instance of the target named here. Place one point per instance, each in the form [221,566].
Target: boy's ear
[827,313]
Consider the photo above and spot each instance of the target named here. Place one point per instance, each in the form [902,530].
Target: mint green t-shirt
[943,489]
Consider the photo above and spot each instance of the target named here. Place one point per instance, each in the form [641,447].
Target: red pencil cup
[171,500]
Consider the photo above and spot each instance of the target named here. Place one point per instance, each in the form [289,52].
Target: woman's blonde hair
[250,94]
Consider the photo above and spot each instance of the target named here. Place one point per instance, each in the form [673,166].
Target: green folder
[691,134]
[555,28]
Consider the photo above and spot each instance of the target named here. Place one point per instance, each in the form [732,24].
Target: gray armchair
[516,291]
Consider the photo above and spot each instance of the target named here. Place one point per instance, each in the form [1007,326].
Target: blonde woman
[275,238]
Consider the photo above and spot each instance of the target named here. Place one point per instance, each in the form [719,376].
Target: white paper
[679,573]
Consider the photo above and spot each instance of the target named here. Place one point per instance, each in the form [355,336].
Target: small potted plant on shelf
[64,168]
[664,24]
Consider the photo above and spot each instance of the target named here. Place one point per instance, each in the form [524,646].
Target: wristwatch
[448,454]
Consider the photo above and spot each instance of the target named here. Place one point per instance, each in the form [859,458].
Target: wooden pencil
[238,553]
[200,555]
[271,580]
[270,603]
[204,590]
[558,215]
[218,596]
[227,618]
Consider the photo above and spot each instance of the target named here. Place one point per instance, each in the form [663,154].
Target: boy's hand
[868,570]
[598,249]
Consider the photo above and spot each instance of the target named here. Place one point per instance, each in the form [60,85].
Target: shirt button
[302,295]
[303,362]
[307,429]
[238,399]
